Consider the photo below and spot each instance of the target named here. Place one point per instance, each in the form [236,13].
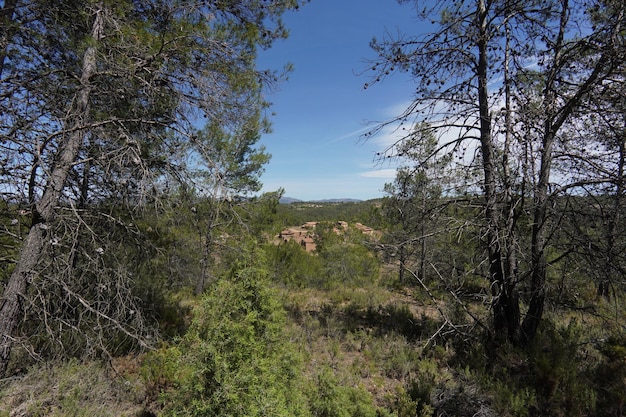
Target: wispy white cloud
[387,173]
[389,135]
[354,134]
[396,109]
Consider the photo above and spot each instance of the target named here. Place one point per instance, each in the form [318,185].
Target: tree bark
[44,210]
[538,236]
[504,304]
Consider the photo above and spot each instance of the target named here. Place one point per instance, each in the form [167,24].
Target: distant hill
[290,200]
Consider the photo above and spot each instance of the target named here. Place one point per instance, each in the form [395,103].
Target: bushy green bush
[292,266]
[610,377]
[328,398]
[549,377]
[351,265]
[335,264]
[558,369]
[235,359]
[412,400]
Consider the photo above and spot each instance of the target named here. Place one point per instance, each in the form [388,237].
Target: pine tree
[99,107]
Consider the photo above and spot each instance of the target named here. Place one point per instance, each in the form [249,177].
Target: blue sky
[323,109]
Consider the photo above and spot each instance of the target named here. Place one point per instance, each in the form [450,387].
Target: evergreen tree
[236,358]
[413,204]
[99,104]
[500,82]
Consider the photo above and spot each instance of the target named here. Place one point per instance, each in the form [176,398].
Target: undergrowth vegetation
[282,332]
[143,275]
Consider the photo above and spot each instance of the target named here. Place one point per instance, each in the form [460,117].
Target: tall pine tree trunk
[44,210]
[505,304]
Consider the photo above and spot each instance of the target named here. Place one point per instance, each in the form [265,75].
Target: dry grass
[72,388]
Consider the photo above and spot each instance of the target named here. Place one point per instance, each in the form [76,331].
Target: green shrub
[610,378]
[328,398]
[558,370]
[512,401]
[412,400]
[235,359]
[351,265]
[292,266]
